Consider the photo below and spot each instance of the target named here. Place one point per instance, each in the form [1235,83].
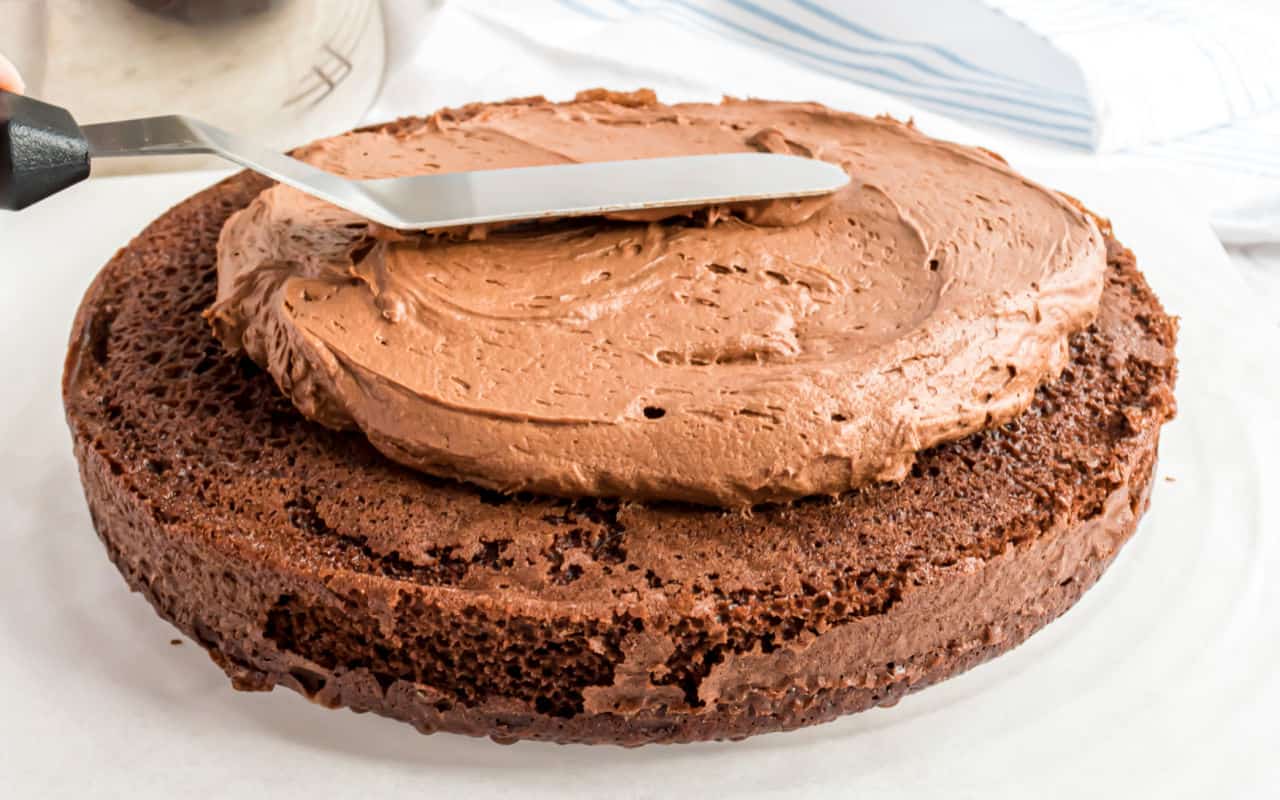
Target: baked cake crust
[298,556]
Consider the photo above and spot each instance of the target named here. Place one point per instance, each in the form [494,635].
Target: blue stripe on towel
[939,51]
[879,66]
[958,86]
[584,9]
[1039,128]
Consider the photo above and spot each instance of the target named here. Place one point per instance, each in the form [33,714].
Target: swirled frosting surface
[723,356]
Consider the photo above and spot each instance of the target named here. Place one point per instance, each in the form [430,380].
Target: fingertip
[10,79]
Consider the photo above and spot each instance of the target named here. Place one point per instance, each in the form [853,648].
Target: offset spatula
[43,150]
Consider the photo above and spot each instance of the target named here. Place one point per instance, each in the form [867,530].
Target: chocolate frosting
[725,356]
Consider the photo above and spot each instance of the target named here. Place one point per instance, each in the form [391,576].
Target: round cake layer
[300,556]
[760,353]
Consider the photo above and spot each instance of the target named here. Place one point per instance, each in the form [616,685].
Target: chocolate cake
[299,554]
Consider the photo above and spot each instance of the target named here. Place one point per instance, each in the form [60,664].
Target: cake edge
[162,566]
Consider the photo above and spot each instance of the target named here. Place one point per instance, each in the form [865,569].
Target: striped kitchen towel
[1101,75]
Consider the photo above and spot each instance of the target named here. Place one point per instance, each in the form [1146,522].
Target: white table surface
[1160,683]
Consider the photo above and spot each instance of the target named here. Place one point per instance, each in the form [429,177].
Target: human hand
[10,80]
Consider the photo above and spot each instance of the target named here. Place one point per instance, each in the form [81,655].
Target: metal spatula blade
[58,153]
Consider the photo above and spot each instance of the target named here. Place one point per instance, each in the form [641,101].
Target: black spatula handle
[42,151]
